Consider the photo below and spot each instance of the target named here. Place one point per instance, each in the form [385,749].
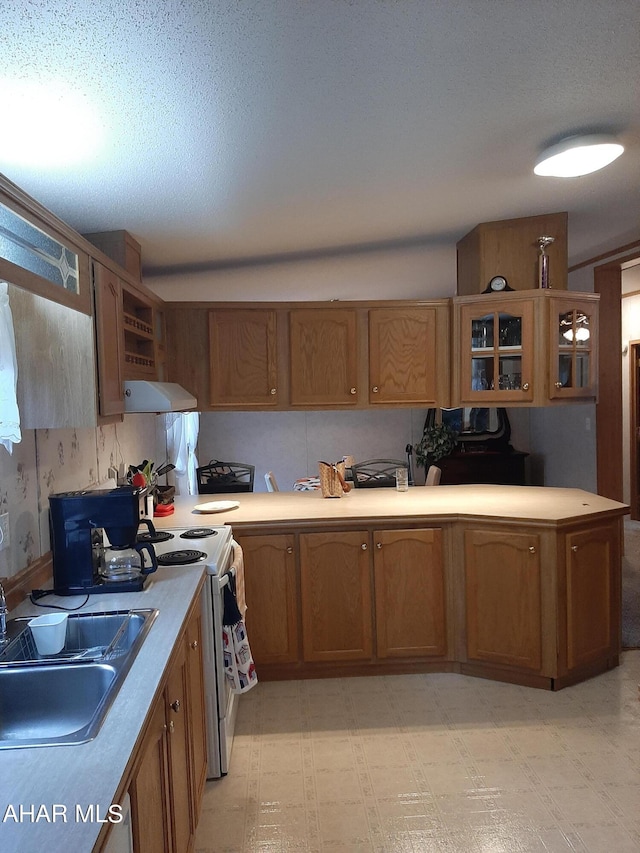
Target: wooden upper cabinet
[323,357]
[243,357]
[404,362]
[109,339]
[509,248]
[573,348]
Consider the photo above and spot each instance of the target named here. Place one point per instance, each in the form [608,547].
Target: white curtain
[9,415]
[182,439]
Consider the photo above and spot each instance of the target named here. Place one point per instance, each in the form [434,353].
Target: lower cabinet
[335,583]
[164,793]
[272,598]
[410,599]
[503,598]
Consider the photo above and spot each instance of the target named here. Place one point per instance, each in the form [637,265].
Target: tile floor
[438,762]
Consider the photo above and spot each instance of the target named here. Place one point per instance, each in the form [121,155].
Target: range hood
[143,396]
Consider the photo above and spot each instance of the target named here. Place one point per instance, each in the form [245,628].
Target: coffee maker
[79,523]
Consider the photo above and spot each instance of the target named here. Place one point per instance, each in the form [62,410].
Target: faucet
[3,616]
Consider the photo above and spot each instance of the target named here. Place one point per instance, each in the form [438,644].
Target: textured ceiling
[230,130]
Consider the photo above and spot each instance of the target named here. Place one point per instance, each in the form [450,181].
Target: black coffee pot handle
[148,547]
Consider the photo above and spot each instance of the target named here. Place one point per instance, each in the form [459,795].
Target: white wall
[630,332]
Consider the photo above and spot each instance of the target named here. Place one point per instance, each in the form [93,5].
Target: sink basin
[65,699]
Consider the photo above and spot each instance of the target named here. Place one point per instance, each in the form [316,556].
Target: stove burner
[180,558]
[198,533]
[158,536]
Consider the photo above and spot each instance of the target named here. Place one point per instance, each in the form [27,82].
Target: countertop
[551,506]
[90,773]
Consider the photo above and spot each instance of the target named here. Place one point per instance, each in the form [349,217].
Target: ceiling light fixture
[578,155]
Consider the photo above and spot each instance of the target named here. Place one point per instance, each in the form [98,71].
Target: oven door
[221,702]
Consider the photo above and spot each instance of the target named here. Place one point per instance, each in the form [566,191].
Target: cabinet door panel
[176,694]
[150,810]
[243,357]
[323,357]
[573,357]
[592,593]
[109,339]
[402,355]
[336,596]
[409,593]
[270,590]
[503,598]
[196,714]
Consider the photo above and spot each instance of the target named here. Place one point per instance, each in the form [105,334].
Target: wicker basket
[330,481]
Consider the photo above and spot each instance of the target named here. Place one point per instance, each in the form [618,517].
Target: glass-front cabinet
[531,348]
[573,357]
[496,349]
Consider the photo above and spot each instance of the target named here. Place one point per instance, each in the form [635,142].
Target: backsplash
[58,460]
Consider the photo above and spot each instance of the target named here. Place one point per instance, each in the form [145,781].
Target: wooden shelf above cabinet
[510,248]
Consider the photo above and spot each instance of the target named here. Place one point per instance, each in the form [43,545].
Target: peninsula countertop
[89,774]
[545,505]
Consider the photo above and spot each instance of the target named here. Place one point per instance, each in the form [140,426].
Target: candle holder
[543,262]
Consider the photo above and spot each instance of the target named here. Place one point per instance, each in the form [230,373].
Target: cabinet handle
[364,546]
[574,548]
[289,549]
[194,644]
[378,545]
[525,386]
[171,727]
[273,391]
[558,384]
[375,389]
[175,706]
[352,390]
[532,549]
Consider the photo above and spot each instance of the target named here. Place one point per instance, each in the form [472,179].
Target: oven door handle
[224,580]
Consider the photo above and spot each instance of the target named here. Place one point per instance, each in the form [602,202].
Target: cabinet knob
[525,386]
[532,549]
[171,727]
[574,548]
[289,549]
[364,546]
[352,390]
[273,391]
[175,706]
[375,389]
[378,545]
[558,384]
[194,644]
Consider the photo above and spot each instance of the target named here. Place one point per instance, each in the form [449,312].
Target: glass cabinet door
[573,348]
[496,356]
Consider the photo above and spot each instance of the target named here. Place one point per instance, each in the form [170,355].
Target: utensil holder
[330,479]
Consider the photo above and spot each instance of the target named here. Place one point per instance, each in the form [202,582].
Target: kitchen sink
[65,698]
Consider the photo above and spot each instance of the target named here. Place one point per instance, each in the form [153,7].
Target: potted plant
[437,441]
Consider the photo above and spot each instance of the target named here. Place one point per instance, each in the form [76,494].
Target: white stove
[213,548]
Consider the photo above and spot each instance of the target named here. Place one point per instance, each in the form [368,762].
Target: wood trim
[603,257]
[634,425]
[607,281]
[38,574]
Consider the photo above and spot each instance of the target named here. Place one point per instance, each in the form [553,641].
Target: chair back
[270,480]
[224,477]
[433,476]
[376,473]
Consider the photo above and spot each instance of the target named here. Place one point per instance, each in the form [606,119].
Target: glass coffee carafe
[125,563]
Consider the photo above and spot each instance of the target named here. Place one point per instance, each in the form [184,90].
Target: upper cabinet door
[573,338]
[243,357]
[323,361]
[109,336]
[496,351]
[403,356]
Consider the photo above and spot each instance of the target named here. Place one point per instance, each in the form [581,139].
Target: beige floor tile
[431,763]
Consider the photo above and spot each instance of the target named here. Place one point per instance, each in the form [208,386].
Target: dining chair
[224,477]
[270,480]
[376,473]
[433,476]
